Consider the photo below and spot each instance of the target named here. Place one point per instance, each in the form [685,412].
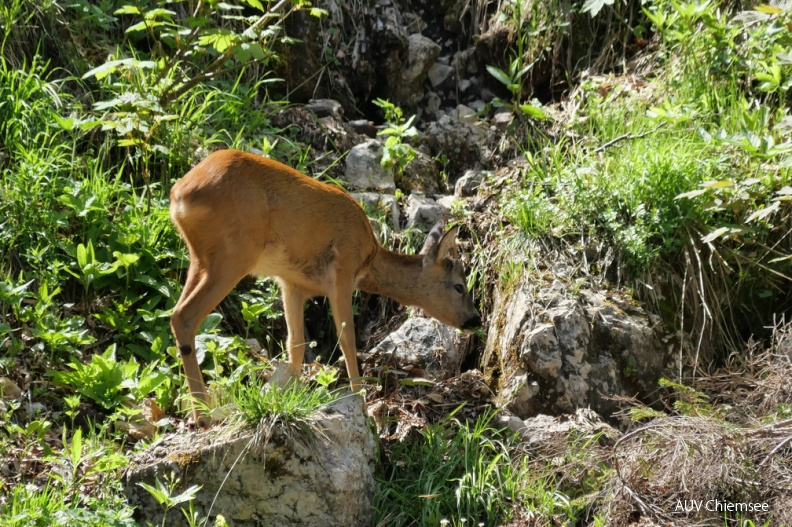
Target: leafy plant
[213,41]
[398,154]
[109,382]
[165,495]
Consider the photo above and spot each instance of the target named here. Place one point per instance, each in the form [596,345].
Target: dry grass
[725,436]
[735,446]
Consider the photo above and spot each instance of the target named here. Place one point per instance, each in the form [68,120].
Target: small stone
[468,184]
[438,73]
[325,108]
[423,212]
[9,390]
[255,347]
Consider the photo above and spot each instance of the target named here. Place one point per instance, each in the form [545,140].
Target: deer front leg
[293,304]
[341,303]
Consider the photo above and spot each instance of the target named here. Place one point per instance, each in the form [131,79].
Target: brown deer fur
[242,214]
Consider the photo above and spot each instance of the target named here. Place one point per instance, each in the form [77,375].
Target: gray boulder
[364,170]
[427,344]
[422,53]
[377,205]
[316,473]
[468,184]
[422,212]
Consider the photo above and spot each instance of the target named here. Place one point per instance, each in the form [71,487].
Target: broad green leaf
[140,26]
[717,184]
[126,259]
[210,322]
[219,40]
[100,72]
[532,111]
[82,256]
[76,448]
[247,51]
[127,10]
[130,142]
[160,12]
[255,3]
[500,75]
[149,383]
[67,123]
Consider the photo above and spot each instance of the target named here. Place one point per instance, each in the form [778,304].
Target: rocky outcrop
[422,53]
[424,343]
[315,473]
[543,429]
[550,350]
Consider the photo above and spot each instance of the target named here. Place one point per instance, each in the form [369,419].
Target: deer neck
[394,275]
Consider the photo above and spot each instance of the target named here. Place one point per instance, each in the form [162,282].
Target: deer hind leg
[293,304]
[341,304]
[205,287]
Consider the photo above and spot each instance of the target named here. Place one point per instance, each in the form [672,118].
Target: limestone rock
[377,205]
[438,73]
[543,429]
[550,351]
[422,212]
[463,133]
[9,390]
[421,174]
[427,344]
[468,184]
[318,474]
[422,53]
[326,108]
[364,170]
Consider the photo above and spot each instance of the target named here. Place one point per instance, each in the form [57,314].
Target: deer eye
[459,288]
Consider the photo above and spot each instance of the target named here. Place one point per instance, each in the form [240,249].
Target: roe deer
[242,214]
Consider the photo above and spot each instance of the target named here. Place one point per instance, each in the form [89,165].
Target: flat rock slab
[319,472]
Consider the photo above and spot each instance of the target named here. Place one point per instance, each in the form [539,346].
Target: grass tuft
[451,474]
[260,402]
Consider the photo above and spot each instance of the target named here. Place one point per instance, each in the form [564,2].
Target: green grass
[258,402]
[451,473]
[684,177]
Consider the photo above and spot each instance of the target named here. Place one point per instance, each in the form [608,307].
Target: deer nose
[472,323]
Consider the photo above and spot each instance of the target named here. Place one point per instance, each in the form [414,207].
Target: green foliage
[688,175]
[60,501]
[451,474]
[165,495]
[51,507]
[259,402]
[398,154]
[109,382]
[689,401]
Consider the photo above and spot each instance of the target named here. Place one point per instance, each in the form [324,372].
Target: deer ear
[445,247]
[433,237]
